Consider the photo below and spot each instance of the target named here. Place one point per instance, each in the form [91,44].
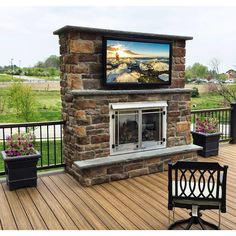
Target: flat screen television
[136,63]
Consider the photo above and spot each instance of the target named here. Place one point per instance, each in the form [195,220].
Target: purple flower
[206,125]
[20,144]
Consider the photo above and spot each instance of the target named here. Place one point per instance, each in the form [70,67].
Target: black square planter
[21,171]
[209,142]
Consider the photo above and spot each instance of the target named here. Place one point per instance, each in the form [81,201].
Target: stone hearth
[85,101]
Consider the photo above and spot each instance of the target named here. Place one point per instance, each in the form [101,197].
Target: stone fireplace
[113,134]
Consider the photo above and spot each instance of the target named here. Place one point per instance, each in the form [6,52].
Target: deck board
[17,209]
[60,202]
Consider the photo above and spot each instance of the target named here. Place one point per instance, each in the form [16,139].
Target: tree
[215,64]
[197,70]
[227,91]
[52,61]
[22,99]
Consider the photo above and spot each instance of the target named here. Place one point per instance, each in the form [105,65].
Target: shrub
[195,92]
[22,99]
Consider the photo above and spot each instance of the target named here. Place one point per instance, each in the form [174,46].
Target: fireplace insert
[137,126]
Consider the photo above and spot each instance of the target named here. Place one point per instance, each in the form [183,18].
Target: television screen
[137,63]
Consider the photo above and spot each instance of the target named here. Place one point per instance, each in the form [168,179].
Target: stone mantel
[70,28]
[90,92]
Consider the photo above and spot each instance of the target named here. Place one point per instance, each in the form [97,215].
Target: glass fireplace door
[135,127]
[126,130]
[152,132]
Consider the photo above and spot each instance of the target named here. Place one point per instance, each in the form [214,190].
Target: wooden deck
[59,202]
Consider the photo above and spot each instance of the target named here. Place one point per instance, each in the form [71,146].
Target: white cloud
[26,32]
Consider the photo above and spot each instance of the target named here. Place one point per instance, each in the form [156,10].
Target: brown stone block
[63,50]
[100,119]
[173,113]
[76,69]
[92,83]
[165,164]
[98,171]
[81,46]
[73,35]
[115,169]
[70,59]
[83,122]
[88,36]
[100,180]
[178,52]
[80,131]
[188,155]
[177,83]
[93,147]
[83,140]
[87,57]
[180,43]
[154,168]
[115,177]
[100,138]
[105,110]
[86,104]
[177,60]
[98,46]
[80,114]
[95,131]
[182,126]
[188,138]
[95,68]
[136,173]
[85,182]
[181,74]
[133,166]
[179,67]
[153,160]
[68,97]
[85,155]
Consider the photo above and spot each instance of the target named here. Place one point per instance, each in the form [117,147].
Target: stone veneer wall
[86,131]
[81,56]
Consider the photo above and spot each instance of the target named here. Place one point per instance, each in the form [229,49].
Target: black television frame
[134,85]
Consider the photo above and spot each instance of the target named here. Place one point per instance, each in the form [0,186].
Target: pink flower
[206,125]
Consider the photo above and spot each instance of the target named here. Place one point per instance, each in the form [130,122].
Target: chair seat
[204,204]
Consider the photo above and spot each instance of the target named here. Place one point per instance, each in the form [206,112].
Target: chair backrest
[200,181]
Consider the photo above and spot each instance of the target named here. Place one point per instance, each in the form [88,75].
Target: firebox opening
[137,126]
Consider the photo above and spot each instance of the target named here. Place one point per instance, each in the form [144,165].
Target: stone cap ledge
[69,28]
[125,158]
[89,92]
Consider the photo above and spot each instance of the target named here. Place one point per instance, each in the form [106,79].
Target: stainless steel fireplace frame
[117,110]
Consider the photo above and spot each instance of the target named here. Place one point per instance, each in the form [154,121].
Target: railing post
[233,123]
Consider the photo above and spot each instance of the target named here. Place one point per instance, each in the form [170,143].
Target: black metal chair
[196,186]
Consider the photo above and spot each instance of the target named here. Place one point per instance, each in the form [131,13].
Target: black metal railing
[223,115]
[48,141]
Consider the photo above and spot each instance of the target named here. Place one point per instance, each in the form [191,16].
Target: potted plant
[207,135]
[21,159]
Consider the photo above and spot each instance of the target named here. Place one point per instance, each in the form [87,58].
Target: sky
[141,48]
[26,33]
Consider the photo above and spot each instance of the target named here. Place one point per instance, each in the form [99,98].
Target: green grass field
[48,150]
[8,78]
[207,101]
[48,107]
